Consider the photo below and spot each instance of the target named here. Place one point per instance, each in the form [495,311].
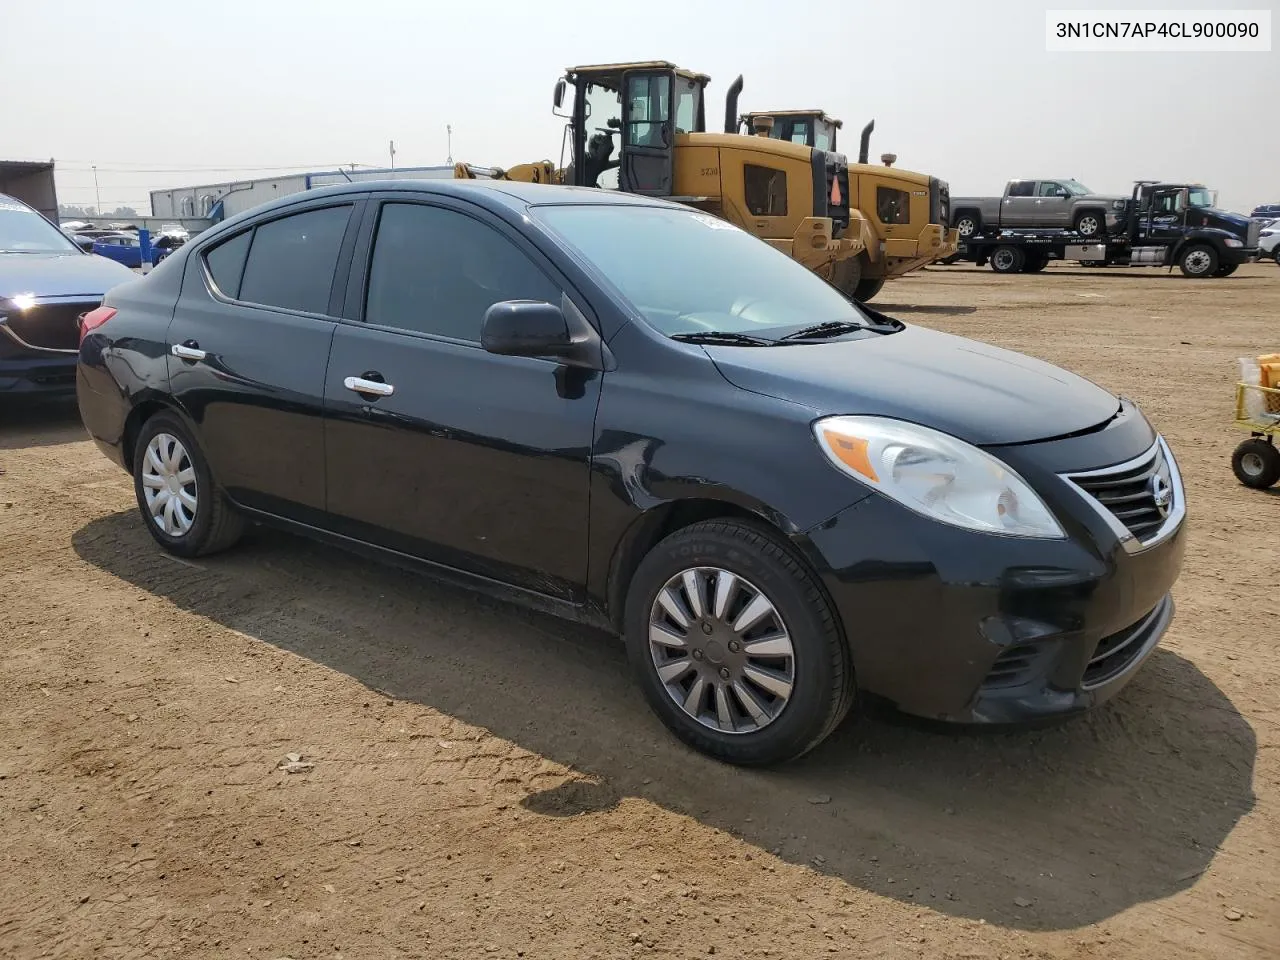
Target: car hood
[59,274]
[973,391]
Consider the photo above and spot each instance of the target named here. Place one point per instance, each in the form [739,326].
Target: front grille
[50,325]
[837,170]
[939,202]
[1139,494]
[1254,229]
[1115,653]
[1013,667]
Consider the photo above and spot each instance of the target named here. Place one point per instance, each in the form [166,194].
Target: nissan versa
[637,415]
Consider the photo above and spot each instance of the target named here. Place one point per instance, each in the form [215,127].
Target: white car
[1269,240]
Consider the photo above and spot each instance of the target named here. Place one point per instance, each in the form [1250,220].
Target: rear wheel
[1198,260]
[1256,463]
[1035,263]
[867,288]
[1006,259]
[967,225]
[1089,223]
[182,509]
[735,644]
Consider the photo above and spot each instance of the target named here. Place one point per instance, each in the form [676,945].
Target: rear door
[249,345]
[434,447]
[648,133]
[1019,206]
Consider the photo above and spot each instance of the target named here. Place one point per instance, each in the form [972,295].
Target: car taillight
[94,319]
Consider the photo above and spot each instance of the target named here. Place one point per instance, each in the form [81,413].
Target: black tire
[1090,223]
[1035,263]
[1007,259]
[1198,260]
[1225,270]
[1256,463]
[846,273]
[214,525]
[823,687]
[1275,255]
[867,288]
[968,224]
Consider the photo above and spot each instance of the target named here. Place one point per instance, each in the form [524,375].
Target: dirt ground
[489,783]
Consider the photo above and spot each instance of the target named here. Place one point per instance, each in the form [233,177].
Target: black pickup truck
[1161,225]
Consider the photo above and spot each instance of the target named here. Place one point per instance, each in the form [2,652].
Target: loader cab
[624,122]
[810,128]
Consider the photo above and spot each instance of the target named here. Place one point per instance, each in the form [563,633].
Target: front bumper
[1240,255]
[959,626]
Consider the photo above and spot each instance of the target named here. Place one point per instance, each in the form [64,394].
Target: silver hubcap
[169,484]
[1252,464]
[964,227]
[1088,225]
[1003,260]
[721,650]
[1197,261]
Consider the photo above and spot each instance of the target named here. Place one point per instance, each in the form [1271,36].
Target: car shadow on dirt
[1044,829]
[39,422]
[948,310]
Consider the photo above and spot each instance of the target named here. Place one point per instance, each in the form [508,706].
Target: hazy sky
[963,89]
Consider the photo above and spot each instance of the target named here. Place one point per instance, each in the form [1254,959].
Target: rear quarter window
[226,263]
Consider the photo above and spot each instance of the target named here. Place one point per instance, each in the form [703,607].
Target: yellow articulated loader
[907,212]
[641,128]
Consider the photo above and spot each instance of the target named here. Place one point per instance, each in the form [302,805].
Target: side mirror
[534,328]
[559,94]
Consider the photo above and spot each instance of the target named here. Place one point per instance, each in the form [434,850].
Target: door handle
[374,387]
[187,351]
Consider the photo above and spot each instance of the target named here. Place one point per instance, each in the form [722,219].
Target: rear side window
[226,263]
[893,206]
[292,260]
[766,190]
[437,271]
[1022,188]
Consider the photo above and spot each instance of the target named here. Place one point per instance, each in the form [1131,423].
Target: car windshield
[688,272]
[1075,187]
[22,230]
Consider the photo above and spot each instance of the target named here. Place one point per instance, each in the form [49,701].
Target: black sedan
[46,283]
[634,414]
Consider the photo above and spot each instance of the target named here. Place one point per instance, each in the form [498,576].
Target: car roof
[509,195]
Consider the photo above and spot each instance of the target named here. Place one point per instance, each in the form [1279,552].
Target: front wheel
[182,509]
[1198,260]
[1256,464]
[1006,259]
[735,644]
[1089,224]
[1275,255]
[867,288]
[1226,270]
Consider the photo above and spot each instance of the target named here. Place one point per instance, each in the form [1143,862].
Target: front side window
[765,190]
[893,206]
[292,260]
[22,230]
[648,99]
[437,271]
[1051,188]
[688,272]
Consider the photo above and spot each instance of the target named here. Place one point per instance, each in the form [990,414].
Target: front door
[1053,204]
[1166,218]
[248,347]
[436,448]
[648,133]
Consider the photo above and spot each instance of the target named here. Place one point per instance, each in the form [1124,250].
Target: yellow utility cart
[1256,461]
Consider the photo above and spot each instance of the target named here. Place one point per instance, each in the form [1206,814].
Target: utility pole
[448,127]
[393,154]
[96,195]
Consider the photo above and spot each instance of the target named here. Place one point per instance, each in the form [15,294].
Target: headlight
[1118,204]
[1233,242]
[936,475]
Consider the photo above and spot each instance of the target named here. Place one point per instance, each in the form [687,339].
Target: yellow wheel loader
[907,213]
[641,128]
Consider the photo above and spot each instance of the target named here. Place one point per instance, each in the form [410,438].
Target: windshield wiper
[828,328]
[723,336]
